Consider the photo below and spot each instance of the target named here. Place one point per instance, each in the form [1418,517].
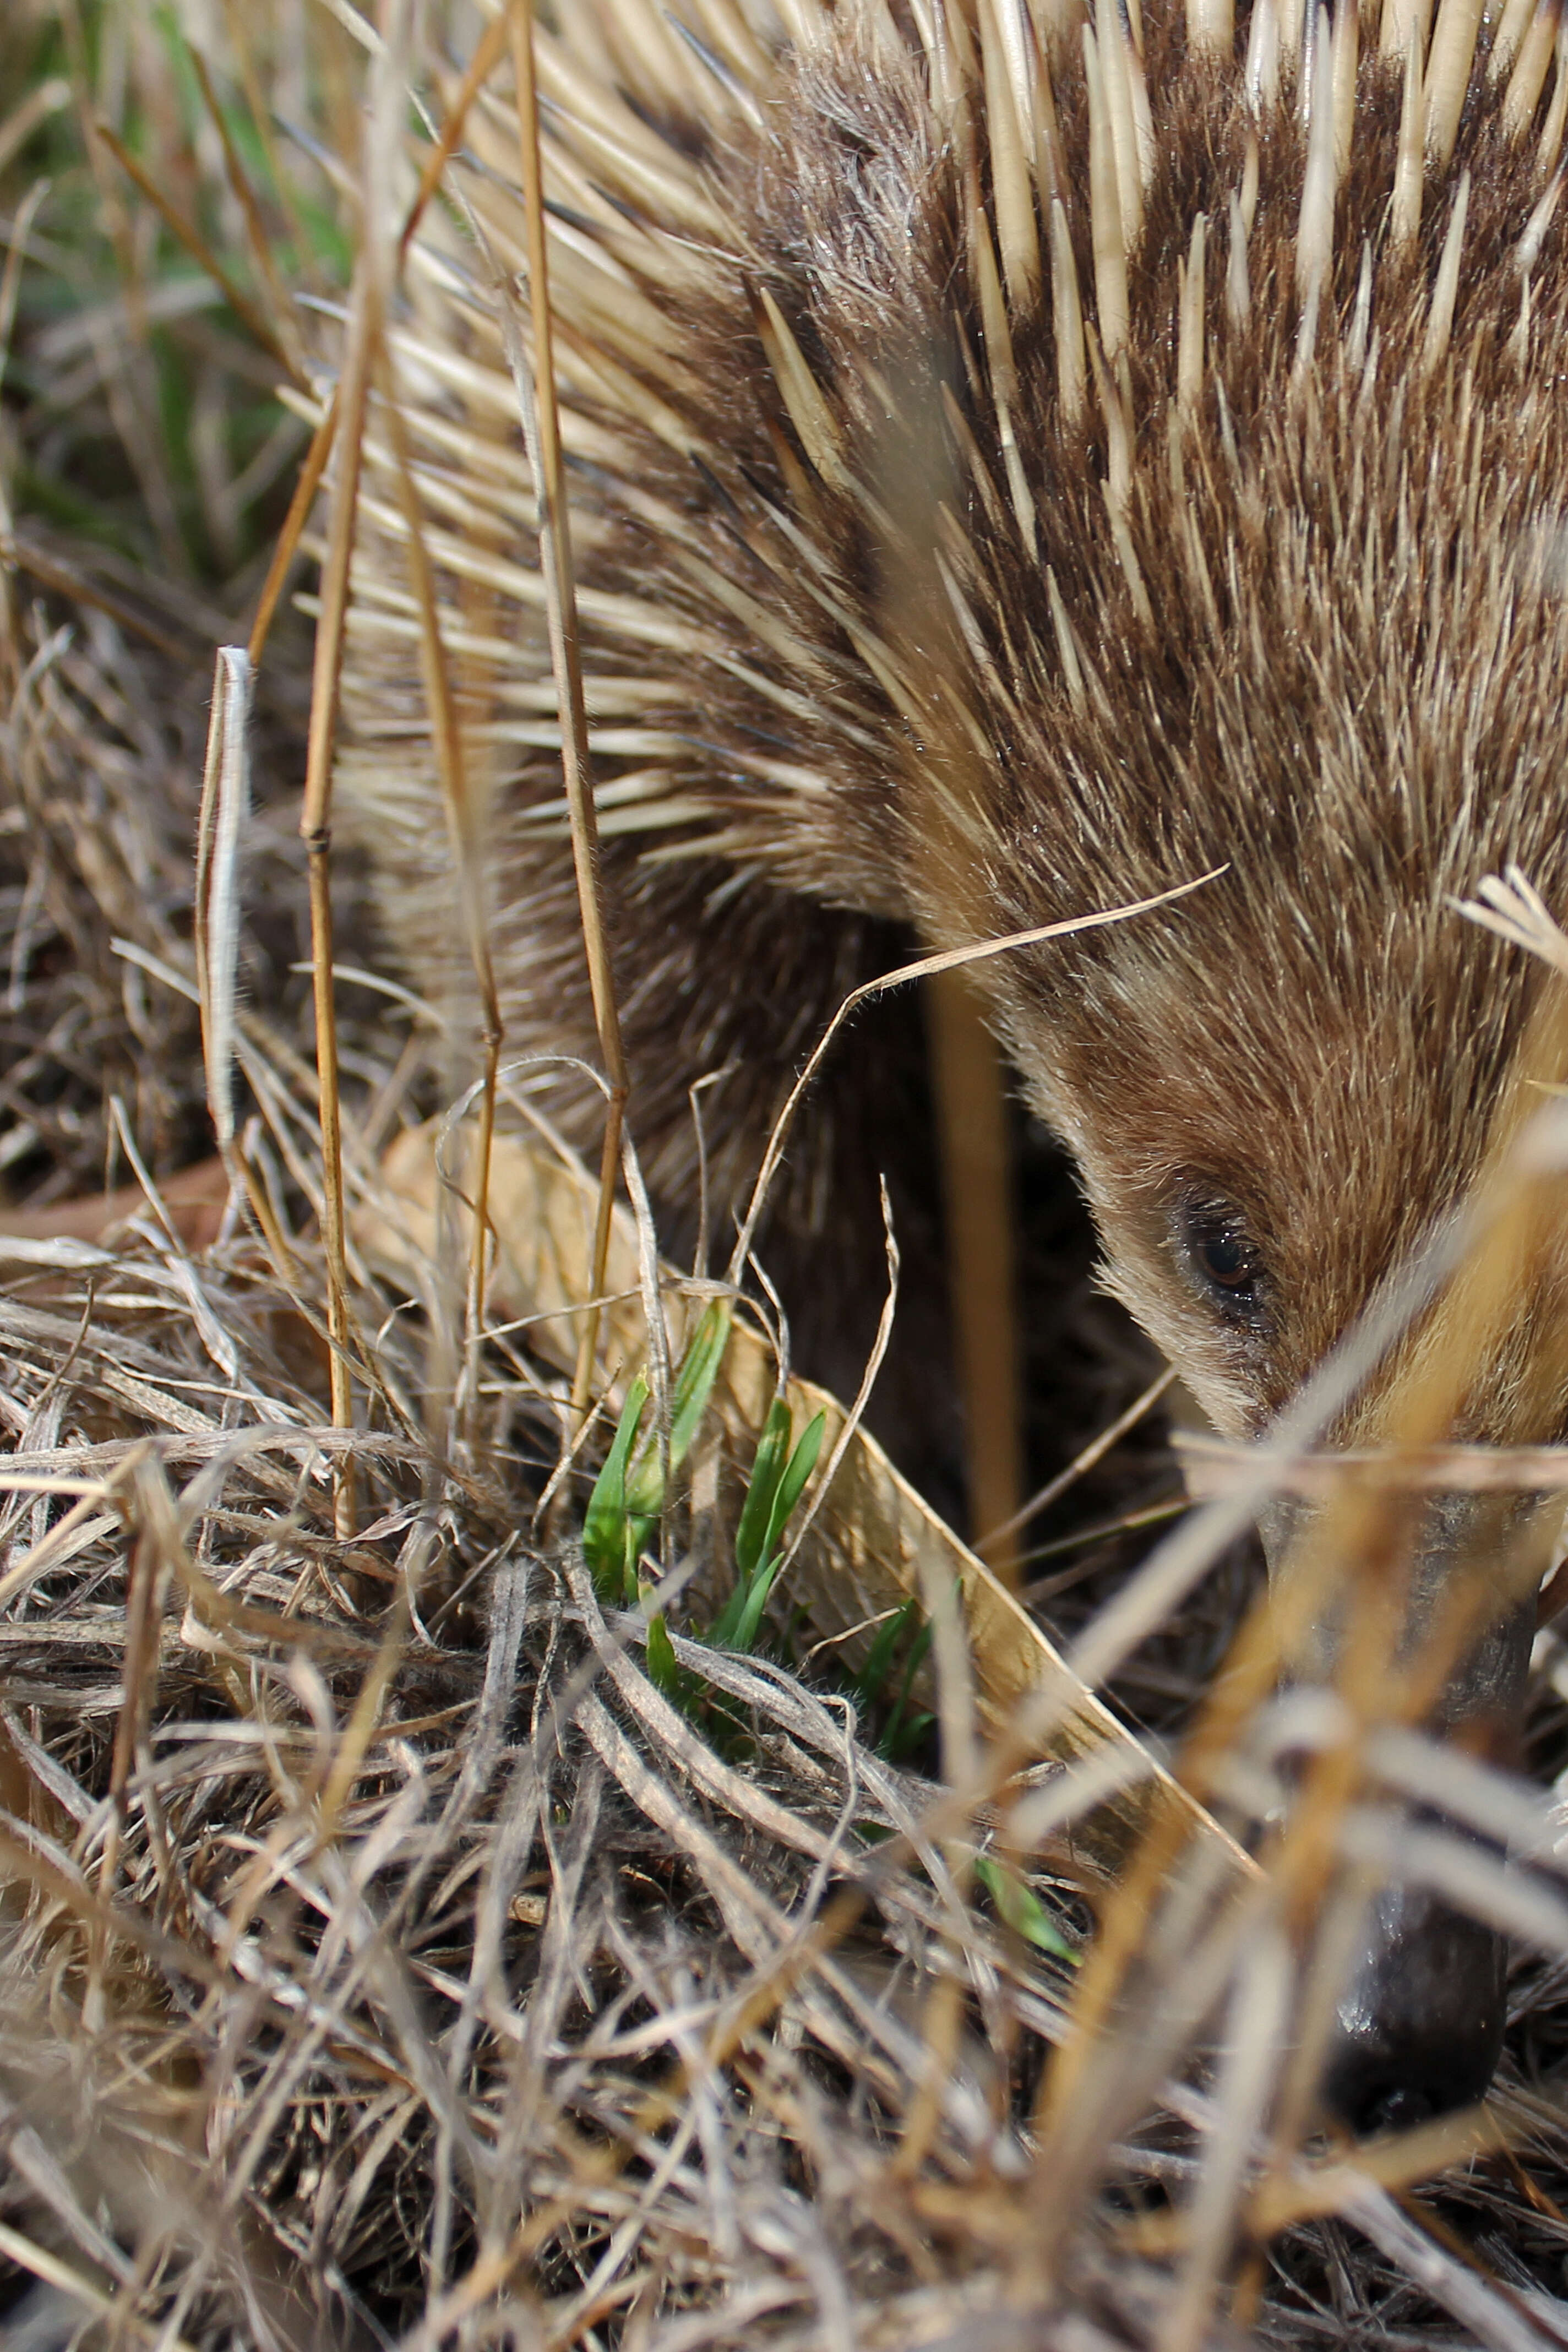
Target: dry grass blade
[487,55]
[48,98]
[257,242]
[366,320]
[467,842]
[312,474]
[220,847]
[259,327]
[560,610]
[967,1072]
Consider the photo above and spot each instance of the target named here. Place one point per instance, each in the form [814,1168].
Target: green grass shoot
[903,1728]
[778,1479]
[631,1493]
[634,1486]
[1020,1908]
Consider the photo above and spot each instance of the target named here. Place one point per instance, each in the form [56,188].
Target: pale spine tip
[1404,26]
[1115,54]
[1106,235]
[1066,316]
[1531,65]
[803,397]
[1211,27]
[1238,288]
[1448,64]
[1517,18]
[1066,645]
[1115,408]
[1190,325]
[1444,292]
[1409,169]
[1261,72]
[1011,179]
[1315,225]
[1361,313]
[1551,149]
[1346,57]
[1536,227]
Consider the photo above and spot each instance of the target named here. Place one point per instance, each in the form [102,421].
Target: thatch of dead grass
[386,1957]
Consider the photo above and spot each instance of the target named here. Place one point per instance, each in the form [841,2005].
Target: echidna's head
[1245,554]
[1150,450]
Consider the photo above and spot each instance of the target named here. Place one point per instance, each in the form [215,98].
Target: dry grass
[385,1958]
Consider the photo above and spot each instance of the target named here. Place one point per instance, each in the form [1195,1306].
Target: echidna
[1026,457]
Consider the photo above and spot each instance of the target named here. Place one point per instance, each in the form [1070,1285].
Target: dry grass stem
[561,613]
[967,1078]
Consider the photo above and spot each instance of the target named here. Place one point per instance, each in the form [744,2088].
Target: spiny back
[1024,461]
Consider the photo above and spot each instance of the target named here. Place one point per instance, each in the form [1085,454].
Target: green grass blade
[693,1387]
[1022,1908]
[663,1668]
[605,1524]
[768,1469]
[694,1383]
[868,1686]
[920,1649]
[903,1735]
[802,1463]
[749,1621]
[903,1732]
[725,1627]
[777,1478]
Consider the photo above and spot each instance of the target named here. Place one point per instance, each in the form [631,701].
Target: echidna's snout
[1419,2030]
[1443,1647]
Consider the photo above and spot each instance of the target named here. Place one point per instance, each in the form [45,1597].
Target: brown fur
[1339,669]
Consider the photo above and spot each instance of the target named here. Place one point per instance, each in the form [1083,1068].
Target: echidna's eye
[1221,1259]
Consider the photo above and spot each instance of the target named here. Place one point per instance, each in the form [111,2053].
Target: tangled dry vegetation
[388,1955]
